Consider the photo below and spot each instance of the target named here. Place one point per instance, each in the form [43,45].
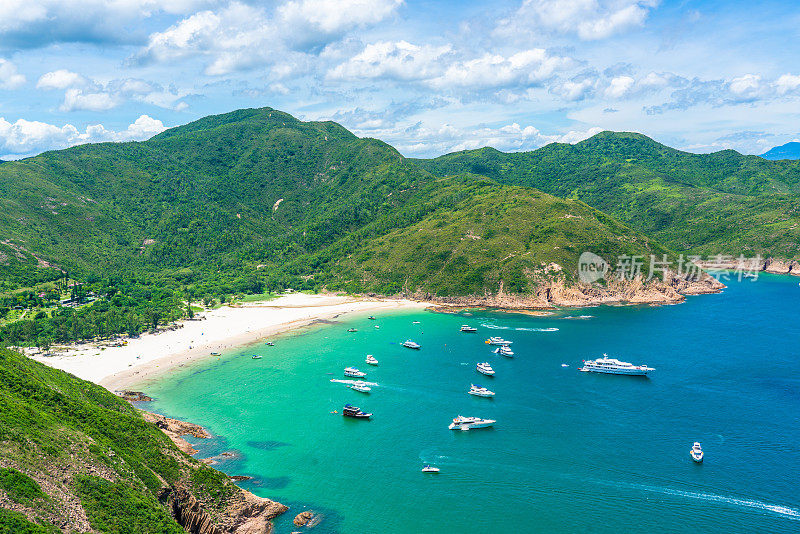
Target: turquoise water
[571,451]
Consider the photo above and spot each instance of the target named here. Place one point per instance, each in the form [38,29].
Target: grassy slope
[712,203]
[77,443]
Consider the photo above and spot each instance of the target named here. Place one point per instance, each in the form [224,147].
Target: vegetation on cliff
[74,456]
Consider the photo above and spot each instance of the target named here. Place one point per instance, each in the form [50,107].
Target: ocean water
[571,451]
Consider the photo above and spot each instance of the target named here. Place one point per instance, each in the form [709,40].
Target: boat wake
[496,327]
[578,317]
[784,511]
[340,381]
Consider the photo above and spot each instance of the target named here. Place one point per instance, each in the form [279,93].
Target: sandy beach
[149,355]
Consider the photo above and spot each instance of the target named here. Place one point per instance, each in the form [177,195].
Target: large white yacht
[360,386]
[480,391]
[466,423]
[505,350]
[485,368]
[411,344]
[498,341]
[355,373]
[614,367]
[371,359]
[468,328]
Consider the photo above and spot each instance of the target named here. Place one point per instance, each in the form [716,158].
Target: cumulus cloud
[588,19]
[240,36]
[24,138]
[9,77]
[525,68]
[60,79]
[77,100]
[34,23]
[396,60]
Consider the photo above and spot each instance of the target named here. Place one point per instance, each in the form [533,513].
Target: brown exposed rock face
[558,293]
[175,429]
[134,396]
[769,265]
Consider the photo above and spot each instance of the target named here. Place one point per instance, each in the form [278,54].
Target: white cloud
[60,79]
[619,86]
[33,23]
[23,138]
[588,19]
[525,68]
[787,83]
[9,77]
[77,100]
[396,60]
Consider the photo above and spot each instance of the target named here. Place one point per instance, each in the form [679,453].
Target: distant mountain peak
[790,150]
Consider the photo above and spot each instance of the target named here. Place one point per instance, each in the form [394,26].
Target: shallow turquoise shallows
[570,452]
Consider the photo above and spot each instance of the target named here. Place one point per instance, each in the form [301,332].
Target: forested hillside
[720,203]
[74,457]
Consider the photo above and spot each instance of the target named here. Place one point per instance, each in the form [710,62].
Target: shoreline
[152,355]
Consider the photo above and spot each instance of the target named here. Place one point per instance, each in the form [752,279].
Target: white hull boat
[360,386]
[485,368]
[696,452]
[467,423]
[479,391]
[498,341]
[411,345]
[355,373]
[371,360]
[614,367]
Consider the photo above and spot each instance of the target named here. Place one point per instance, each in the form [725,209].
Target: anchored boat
[614,367]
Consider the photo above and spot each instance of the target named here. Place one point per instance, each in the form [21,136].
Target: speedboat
[467,328]
[414,322]
[256,356]
[360,386]
[411,344]
[355,373]
[485,368]
[430,469]
[371,360]
[269,344]
[614,367]
[479,391]
[354,411]
[696,452]
[215,353]
[352,330]
[505,350]
[371,317]
[498,341]
[466,423]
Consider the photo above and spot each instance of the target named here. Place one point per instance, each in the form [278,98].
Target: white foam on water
[496,327]
[784,511]
[578,317]
[351,382]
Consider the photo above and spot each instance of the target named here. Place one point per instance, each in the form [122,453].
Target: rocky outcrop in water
[134,396]
[175,430]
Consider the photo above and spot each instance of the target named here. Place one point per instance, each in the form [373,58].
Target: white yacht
[498,341]
[505,350]
[614,367]
[430,469]
[411,345]
[479,391]
[355,373]
[466,423]
[360,386]
[468,328]
[696,452]
[371,360]
[485,368]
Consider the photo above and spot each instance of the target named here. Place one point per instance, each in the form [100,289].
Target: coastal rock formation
[557,292]
[134,396]
[752,265]
[302,518]
[175,429]
[778,266]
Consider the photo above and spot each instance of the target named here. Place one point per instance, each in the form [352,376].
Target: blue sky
[428,77]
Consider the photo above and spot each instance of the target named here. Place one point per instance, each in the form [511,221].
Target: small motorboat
[411,345]
[256,356]
[355,412]
[696,452]
[564,365]
[352,330]
[215,353]
[467,328]
[414,322]
[498,341]
[505,350]
[480,391]
[371,317]
[269,344]
[371,360]
[355,373]
[360,386]
[377,326]
[485,368]
[430,469]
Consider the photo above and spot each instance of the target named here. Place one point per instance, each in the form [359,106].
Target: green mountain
[256,200]
[787,151]
[720,203]
[74,457]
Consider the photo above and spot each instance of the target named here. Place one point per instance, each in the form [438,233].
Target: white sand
[221,329]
